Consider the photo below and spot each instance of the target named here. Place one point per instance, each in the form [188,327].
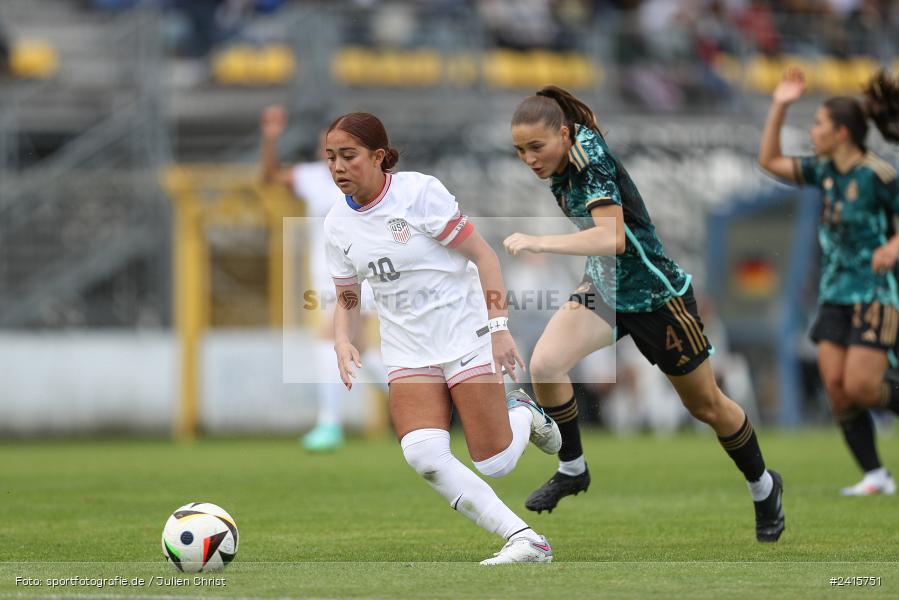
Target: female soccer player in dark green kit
[855,329]
[630,288]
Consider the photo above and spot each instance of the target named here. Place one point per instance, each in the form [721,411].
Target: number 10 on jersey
[384,269]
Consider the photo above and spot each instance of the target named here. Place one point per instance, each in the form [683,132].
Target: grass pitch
[663,518]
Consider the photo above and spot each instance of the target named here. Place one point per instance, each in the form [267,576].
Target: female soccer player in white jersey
[311,181]
[431,274]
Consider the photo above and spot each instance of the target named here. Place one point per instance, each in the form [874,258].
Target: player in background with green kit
[855,330]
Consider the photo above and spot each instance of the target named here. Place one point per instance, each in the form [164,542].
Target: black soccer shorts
[870,324]
[671,336]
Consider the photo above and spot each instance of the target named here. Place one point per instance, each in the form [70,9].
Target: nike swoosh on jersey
[465,362]
[347,251]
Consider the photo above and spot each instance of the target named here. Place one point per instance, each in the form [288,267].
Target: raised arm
[606,238]
[274,120]
[770,158]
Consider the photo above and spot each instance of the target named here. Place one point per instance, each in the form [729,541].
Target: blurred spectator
[267,6]
[873,30]
[641,79]
[394,25]
[201,25]
[197,27]
[678,31]
[715,35]
[574,18]
[113,5]
[843,8]
[202,31]
[667,52]
[521,24]
[714,31]
[4,52]
[757,23]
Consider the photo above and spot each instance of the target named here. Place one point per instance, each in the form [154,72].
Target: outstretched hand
[883,259]
[517,243]
[791,87]
[505,354]
[274,121]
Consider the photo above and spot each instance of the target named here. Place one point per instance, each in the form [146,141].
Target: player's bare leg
[498,425]
[862,380]
[419,403]
[572,333]
[701,395]
[420,408]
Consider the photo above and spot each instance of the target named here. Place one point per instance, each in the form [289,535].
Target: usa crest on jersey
[399,229]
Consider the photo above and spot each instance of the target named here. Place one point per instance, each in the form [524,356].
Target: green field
[664,518]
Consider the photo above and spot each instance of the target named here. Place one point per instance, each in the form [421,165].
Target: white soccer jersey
[428,296]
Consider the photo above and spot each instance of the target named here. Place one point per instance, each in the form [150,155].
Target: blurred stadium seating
[99,98]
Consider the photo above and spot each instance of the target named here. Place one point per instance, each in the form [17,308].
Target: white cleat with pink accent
[522,550]
[873,484]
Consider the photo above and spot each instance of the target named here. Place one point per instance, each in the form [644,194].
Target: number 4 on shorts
[672,340]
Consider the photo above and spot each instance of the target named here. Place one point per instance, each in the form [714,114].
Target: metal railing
[86,213]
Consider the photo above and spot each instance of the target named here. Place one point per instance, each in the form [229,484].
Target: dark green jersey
[856,219]
[641,279]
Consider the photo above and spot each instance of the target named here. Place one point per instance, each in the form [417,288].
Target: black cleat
[559,485]
[769,513]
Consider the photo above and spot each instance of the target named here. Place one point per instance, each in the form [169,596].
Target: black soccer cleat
[769,513]
[547,496]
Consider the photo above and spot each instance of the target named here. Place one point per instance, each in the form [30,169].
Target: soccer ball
[199,536]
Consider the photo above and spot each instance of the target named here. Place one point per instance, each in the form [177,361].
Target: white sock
[761,489]
[428,452]
[329,403]
[330,391]
[520,419]
[573,467]
[501,464]
[879,473]
[528,534]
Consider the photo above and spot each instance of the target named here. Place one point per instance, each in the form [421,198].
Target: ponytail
[555,107]
[391,157]
[881,104]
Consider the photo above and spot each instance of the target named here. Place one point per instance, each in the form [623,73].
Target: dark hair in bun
[370,132]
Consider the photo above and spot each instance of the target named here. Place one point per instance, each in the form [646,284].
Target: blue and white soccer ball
[199,536]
